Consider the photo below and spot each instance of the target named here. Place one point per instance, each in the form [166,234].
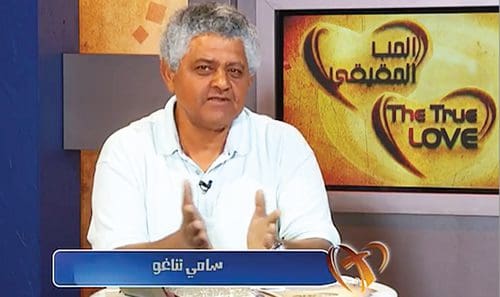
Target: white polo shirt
[137,192]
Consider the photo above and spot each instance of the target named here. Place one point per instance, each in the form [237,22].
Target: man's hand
[262,229]
[192,231]
[191,235]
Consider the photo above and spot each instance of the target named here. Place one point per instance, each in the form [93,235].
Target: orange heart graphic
[397,69]
[450,125]
[357,259]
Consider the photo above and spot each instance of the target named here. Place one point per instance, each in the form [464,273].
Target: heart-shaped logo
[357,259]
[375,68]
[460,121]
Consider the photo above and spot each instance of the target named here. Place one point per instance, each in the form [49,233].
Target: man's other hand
[262,229]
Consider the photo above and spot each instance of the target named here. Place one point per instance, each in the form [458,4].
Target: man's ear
[251,80]
[167,75]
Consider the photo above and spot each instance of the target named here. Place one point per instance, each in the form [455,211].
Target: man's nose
[220,80]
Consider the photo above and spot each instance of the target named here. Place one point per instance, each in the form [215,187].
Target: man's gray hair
[201,19]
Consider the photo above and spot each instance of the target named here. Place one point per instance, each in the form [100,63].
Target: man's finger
[269,240]
[190,214]
[201,240]
[187,196]
[194,228]
[274,216]
[197,234]
[189,211]
[260,204]
[271,229]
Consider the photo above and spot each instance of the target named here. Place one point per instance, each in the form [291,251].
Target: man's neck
[203,146]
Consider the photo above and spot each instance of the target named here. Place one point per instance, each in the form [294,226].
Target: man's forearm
[310,243]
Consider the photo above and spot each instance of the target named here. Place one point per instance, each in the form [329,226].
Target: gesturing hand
[193,231]
[262,229]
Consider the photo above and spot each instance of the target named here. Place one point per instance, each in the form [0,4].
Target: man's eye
[235,72]
[203,69]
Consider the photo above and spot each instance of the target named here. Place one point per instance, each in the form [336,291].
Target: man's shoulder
[261,123]
[281,143]
[138,135]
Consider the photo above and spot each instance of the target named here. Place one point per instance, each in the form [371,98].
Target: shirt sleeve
[302,197]
[118,208]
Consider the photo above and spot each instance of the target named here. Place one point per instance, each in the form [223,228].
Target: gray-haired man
[256,180]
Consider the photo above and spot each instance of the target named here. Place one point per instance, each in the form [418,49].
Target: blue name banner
[129,268]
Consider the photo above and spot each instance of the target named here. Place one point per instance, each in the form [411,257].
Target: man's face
[210,83]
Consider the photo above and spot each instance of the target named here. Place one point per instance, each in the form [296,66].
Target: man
[256,182]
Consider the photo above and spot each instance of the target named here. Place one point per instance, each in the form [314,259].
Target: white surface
[375,290]
[108,292]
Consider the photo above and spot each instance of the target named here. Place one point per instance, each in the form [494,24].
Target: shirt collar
[166,138]
[238,139]
[165,134]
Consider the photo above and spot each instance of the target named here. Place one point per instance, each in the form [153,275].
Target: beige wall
[123,26]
